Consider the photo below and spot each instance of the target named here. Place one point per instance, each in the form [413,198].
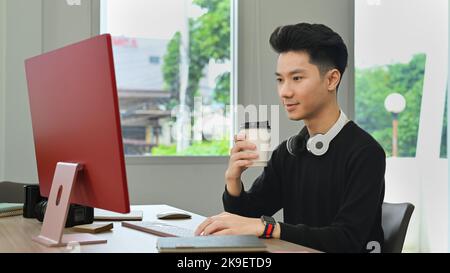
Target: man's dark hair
[325,48]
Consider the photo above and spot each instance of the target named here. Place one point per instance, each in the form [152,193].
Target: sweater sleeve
[264,196]
[359,209]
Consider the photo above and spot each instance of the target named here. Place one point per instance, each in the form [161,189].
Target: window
[173,71]
[401,54]
[391,53]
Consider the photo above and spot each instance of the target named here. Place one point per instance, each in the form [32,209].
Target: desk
[16,233]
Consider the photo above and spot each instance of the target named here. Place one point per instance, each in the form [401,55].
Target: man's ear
[333,78]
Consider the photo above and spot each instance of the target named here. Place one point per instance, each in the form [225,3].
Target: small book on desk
[105,215]
[94,228]
[235,243]
[10,209]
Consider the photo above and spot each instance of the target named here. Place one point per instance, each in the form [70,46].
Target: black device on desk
[35,206]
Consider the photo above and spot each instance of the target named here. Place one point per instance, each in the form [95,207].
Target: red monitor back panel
[75,117]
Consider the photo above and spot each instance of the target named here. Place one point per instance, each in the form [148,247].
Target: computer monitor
[77,133]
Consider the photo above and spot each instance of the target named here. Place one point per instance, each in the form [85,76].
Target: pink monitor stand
[58,207]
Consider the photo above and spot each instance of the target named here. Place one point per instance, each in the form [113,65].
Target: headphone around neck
[318,144]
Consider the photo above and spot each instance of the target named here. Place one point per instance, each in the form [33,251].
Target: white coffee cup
[258,133]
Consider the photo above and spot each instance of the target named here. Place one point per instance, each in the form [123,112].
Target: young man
[331,202]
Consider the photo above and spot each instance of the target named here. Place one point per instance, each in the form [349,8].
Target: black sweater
[330,202]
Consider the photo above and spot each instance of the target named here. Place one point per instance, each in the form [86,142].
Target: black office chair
[395,220]
[12,192]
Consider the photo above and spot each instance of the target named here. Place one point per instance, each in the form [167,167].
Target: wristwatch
[269,224]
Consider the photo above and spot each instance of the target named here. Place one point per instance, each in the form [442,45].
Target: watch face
[268,220]
[269,223]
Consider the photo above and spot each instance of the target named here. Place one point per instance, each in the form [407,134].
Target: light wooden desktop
[16,233]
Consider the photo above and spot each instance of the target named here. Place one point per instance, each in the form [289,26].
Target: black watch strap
[269,223]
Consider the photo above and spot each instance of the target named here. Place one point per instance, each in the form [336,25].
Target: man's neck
[322,122]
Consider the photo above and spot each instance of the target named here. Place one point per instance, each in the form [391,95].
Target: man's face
[301,88]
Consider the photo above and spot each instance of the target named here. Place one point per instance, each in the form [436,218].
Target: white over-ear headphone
[318,144]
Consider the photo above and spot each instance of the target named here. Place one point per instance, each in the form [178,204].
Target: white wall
[448,132]
[407,180]
[434,175]
[23,40]
[194,184]
[64,24]
[2,83]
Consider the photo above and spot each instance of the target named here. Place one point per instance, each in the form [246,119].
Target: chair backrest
[395,220]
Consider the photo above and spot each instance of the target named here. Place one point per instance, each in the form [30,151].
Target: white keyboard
[160,229]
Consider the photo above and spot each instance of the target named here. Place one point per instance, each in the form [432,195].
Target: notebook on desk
[235,243]
[10,209]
